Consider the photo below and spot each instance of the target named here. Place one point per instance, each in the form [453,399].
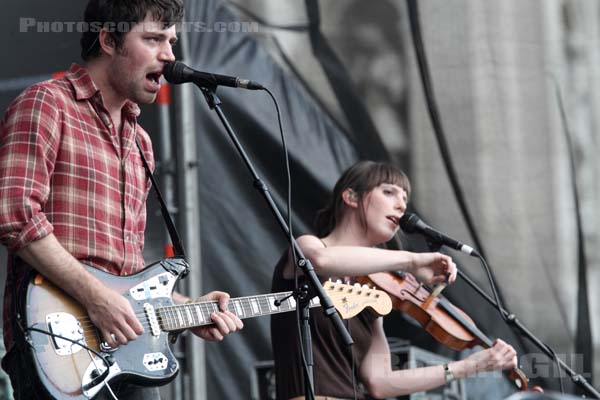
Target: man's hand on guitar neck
[225,322]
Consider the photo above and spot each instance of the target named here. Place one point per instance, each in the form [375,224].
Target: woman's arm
[381,381]
[431,268]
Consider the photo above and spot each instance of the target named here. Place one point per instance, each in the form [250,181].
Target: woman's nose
[401,205]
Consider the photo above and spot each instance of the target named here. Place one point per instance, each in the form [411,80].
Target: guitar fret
[195,315]
[255,306]
[258,305]
[204,312]
[180,317]
[173,313]
[199,313]
[168,321]
[209,309]
[271,302]
[238,308]
[189,315]
[246,307]
[168,318]
[262,305]
[164,318]
[283,305]
[245,310]
[291,303]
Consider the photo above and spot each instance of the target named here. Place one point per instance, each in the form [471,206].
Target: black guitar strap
[173,234]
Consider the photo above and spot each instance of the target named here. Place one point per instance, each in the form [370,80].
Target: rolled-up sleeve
[29,138]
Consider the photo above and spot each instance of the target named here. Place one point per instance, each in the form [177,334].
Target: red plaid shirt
[65,170]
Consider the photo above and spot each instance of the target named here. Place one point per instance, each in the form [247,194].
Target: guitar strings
[178,316]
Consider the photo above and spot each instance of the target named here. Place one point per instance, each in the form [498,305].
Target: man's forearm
[51,259]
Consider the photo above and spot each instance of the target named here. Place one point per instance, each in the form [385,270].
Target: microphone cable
[309,391]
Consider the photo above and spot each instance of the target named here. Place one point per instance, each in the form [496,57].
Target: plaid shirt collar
[85,89]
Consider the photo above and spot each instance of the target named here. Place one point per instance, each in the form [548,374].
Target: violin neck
[447,306]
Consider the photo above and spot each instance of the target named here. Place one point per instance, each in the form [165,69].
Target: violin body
[409,297]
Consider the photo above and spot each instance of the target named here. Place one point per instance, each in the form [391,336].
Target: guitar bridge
[66,325]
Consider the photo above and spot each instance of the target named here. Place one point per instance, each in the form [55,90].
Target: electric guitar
[72,361]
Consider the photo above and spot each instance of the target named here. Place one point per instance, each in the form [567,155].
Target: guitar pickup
[152,319]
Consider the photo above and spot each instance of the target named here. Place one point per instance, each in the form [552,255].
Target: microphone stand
[514,322]
[209,92]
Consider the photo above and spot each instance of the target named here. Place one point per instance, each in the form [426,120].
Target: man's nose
[166,53]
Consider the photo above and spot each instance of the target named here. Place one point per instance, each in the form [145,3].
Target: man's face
[137,65]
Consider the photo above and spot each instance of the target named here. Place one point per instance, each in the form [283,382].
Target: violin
[447,323]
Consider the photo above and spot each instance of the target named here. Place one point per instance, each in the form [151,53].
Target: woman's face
[383,207]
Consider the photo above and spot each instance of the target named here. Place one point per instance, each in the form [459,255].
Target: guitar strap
[173,234]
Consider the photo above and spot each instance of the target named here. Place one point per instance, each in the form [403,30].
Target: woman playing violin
[368,201]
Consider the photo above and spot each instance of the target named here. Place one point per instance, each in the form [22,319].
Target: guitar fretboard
[174,318]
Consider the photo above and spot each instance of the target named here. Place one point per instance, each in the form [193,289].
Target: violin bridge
[434,293]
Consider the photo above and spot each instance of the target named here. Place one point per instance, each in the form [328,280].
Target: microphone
[177,72]
[411,223]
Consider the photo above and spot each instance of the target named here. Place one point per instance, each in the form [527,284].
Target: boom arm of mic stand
[575,377]
[304,264]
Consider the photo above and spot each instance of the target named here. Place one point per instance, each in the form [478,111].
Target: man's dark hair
[109,13]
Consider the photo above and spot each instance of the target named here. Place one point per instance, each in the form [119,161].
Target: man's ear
[350,198]
[107,42]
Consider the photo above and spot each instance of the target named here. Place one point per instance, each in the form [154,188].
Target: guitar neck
[191,315]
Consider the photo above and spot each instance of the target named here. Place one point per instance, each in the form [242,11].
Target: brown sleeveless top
[332,361]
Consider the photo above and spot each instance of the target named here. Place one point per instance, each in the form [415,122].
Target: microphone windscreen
[173,72]
[409,222]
